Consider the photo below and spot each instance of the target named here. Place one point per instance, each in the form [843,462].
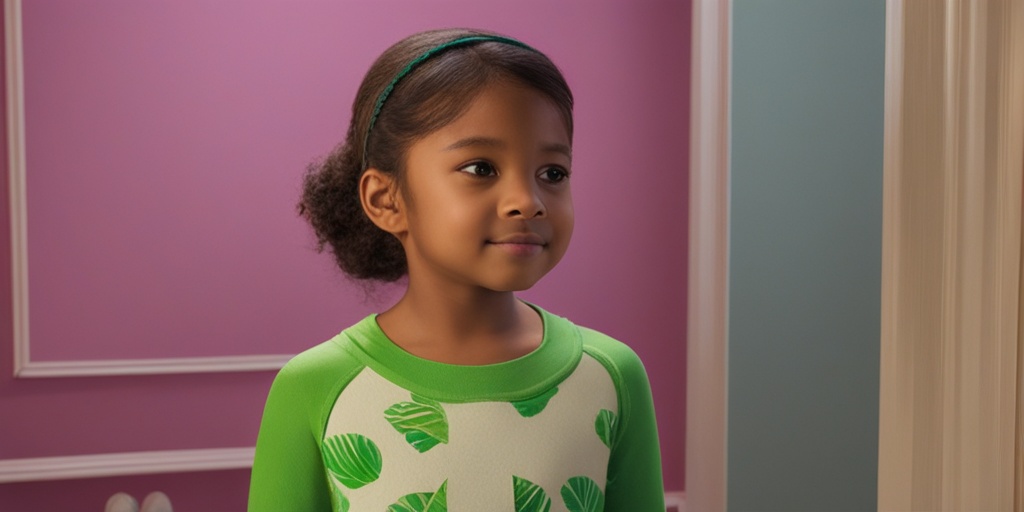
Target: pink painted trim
[707,333]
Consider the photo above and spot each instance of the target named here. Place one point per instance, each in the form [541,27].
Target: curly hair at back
[430,97]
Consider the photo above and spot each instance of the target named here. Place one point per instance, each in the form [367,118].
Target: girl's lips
[520,239]
[521,244]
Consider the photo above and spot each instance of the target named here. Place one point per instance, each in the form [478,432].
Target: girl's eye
[554,174]
[482,169]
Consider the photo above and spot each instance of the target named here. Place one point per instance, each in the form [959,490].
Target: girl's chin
[514,284]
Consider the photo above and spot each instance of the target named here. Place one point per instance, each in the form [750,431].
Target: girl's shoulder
[624,367]
[323,358]
[316,373]
[616,355]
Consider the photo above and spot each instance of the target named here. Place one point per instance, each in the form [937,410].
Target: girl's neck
[466,326]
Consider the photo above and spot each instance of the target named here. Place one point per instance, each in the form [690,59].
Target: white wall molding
[15,105]
[707,318]
[152,366]
[87,466]
[121,464]
[951,282]
[16,172]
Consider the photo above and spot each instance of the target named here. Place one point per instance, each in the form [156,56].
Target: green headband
[462,41]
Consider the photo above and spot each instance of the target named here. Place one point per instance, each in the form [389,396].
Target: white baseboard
[121,464]
[675,499]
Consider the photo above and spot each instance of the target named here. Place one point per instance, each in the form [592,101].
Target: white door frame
[707,299]
[951,434]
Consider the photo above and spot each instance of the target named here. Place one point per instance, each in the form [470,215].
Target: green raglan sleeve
[634,470]
[288,472]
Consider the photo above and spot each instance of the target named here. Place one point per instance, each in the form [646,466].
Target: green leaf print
[423,501]
[338,499]
[529,496]
[422,421]
[605,426]
[582,494]
[353,459]
[533,406]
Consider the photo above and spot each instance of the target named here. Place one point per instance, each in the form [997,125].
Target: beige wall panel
[950,391]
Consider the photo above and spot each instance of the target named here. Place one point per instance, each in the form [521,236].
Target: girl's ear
[379,195]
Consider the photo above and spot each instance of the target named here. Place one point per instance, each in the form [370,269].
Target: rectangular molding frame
[707,318]
[23,364]
[950,429]
[100,465]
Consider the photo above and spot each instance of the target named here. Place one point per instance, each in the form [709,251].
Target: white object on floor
[675,501]
[121,502]
[156,502]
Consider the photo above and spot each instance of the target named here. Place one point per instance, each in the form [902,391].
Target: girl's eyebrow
[558,148]
[497,143]
[476,141]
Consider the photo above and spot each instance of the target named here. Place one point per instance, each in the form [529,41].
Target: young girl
[455,173]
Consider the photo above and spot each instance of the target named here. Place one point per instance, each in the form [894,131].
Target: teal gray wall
[805,254]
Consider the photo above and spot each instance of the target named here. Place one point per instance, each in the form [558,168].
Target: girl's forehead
[502,107]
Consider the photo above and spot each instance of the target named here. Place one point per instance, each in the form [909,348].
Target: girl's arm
[634,470]
[287,473]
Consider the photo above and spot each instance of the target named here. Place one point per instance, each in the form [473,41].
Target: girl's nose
[522,199]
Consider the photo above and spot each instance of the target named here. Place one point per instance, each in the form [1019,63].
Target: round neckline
[526,376]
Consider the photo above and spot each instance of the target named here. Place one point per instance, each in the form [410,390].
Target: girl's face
[487,198]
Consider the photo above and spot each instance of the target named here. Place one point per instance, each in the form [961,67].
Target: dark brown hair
[431,96]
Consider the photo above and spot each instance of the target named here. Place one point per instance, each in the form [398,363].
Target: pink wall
[165,142]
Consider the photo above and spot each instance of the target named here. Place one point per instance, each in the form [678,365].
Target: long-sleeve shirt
[358,424]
